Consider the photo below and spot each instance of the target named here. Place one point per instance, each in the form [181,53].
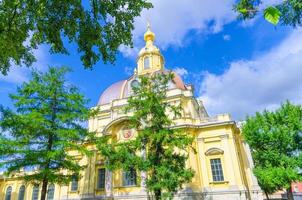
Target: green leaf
[275,140]
[243,10]
[272,15]
[44,126]
[87,24]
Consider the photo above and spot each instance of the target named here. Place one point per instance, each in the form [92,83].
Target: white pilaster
[108,182]
[228,160]
[143,173]
[204,176]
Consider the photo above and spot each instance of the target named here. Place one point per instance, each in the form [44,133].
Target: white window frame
[128,179]
[147,62]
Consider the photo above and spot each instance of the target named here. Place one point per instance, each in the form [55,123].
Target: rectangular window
[217,172]
[101,178]
[74,183]
[129,177]
[146,63]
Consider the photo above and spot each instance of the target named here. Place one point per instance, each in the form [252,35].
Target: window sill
[126,186]
[73,191]
[219,182]
[100,189]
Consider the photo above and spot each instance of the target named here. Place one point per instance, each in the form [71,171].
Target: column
[143,173]
[108,182]
[203,165]
[229,160]
[143,155]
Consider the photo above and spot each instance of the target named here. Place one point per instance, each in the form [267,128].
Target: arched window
[147,62]
[8,193]
[21,193]
[134,83]
[35,195]
[51,192]
[215,156]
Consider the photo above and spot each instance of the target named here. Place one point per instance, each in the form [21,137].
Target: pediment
[214,151]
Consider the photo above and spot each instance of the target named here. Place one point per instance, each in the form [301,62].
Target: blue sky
[236,67]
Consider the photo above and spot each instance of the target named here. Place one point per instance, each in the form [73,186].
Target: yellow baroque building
[222,164]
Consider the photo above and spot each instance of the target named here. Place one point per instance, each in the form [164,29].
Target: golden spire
[149,35]
[149,57]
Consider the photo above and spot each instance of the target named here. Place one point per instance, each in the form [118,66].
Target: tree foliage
[45,126]
[98,27]
[287,12]
[166,149]
[275,139]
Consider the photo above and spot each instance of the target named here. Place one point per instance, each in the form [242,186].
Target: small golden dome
[149,35]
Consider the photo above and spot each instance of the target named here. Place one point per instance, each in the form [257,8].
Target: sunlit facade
[222,164]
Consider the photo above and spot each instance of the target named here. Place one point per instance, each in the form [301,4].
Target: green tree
[287,12]
[166,149]
[275,140]
[98,27]
[45,126]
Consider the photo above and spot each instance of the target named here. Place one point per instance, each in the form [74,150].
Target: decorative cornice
[204,125]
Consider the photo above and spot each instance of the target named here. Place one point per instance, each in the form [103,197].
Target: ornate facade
[222,164]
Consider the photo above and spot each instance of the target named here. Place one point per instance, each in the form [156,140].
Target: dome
[121,89]
[112,92]
[118,90]
[149,61]
[149,35]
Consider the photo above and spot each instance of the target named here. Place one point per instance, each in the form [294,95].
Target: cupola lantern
[149,58]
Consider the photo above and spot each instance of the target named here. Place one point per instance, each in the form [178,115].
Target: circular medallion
[127,133]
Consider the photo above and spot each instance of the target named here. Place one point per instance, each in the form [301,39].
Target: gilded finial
[149,35]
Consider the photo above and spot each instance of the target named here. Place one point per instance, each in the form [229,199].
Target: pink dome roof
[178,81]
[120,89]
[112,92]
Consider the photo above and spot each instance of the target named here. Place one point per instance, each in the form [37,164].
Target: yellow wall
[220,141]
[218,133]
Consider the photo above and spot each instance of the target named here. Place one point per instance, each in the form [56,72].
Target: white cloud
[181,71]
[264,82]
[17,74]
[128,51]
[172,20]
[226,37]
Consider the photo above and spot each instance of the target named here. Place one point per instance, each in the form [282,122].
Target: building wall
[216,137]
